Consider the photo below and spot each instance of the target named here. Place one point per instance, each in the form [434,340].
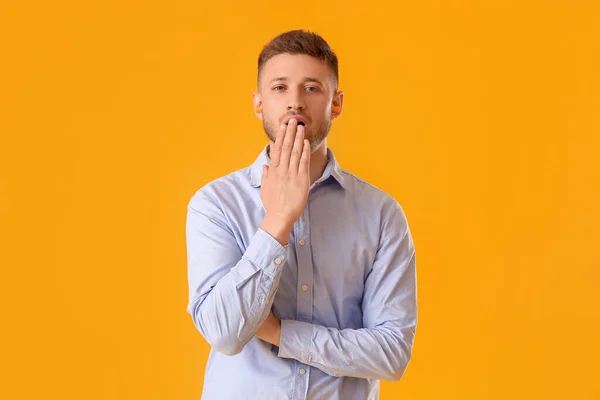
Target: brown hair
[300,42]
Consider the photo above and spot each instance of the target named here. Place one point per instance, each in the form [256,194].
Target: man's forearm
[381,352]
[230,313]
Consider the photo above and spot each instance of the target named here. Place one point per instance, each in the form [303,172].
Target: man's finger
[288,144]
[304,167]
[297,149]
[275,152]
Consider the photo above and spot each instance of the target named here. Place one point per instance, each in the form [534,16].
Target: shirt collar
[331,169]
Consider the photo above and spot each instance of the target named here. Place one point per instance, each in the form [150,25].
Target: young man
[301,275]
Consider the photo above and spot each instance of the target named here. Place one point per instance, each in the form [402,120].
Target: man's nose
[296,101]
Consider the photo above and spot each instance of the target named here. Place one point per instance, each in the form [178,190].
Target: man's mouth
[299,123]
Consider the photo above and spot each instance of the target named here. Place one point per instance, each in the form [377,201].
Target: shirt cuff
[266,253]
[296,340]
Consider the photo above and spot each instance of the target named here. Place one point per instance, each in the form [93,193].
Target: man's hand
[285,182]
[270,330]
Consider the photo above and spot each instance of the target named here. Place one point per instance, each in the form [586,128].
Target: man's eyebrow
[304,79]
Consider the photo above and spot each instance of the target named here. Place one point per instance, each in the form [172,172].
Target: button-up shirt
[344,288]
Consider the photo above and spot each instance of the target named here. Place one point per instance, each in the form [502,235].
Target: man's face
[301,86]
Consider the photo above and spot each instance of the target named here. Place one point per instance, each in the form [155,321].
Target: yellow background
[480,117]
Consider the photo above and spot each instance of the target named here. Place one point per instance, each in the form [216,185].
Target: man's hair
[300,42]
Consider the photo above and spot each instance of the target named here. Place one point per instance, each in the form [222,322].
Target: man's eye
[312,87]
[275,88]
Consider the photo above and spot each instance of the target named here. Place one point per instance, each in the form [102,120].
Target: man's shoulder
[361,187]
[237,181]
[372,198]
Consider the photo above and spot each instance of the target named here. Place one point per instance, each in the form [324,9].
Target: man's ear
[337,103]
[256,99]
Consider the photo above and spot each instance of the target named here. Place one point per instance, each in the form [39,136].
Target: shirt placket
[304,290]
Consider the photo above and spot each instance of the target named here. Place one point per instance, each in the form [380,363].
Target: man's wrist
[270,330]
[276,228]
[277,334]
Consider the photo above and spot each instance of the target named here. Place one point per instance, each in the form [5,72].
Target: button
[304,288]
[302,371]
[278,261]
[302,242]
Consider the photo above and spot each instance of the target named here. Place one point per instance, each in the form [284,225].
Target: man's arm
[230,293]
[382,349]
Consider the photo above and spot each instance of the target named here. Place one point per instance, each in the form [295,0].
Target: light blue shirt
[344,288]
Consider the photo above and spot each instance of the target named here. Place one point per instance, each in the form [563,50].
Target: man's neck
[318,160]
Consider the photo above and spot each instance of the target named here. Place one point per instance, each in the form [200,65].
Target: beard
[314,137]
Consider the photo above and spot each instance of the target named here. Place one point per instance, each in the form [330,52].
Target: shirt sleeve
[383,347]
[230,292]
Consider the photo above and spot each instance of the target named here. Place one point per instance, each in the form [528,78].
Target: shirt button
[302,371]
[278,261]
[304,288]
[302,242]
